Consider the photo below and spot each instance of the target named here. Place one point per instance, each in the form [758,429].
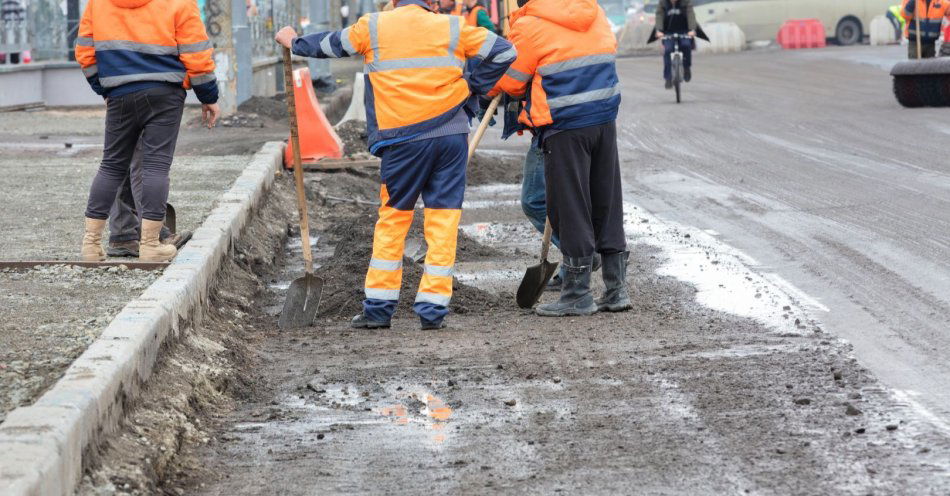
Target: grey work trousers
[151,117]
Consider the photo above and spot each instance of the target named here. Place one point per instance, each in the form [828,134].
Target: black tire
[677,77]
[907,92]
[849,32]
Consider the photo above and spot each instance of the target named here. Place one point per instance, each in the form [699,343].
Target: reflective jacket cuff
[207,93]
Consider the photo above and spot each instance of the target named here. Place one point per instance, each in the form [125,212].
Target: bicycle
[676,62]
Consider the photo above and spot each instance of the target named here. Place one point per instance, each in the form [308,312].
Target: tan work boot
[150,248]
[92,241]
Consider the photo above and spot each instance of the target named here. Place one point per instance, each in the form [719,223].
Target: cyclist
[676,16]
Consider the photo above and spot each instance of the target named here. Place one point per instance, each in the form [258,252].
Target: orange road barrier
[317,138]
[801,33]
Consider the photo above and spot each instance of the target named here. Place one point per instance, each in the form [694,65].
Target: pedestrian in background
[566,54]
[141,55]
[418,123]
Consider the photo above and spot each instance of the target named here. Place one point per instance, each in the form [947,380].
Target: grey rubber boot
[555,283]
[616,298]
[576,298]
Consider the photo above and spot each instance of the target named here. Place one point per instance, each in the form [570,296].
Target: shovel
[483,125]
[303,296]
[537,276]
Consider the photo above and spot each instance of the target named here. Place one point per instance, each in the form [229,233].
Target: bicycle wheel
[677,76]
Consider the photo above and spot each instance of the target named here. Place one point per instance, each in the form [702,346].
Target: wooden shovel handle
[546,239]
[298,169]
[917,22]
[482,126]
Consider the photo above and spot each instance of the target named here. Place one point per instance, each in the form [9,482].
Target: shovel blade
[533,283]
[303,298]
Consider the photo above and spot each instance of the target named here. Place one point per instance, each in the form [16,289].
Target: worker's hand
[659,34]
[209,114]
[691,34]
[286,36]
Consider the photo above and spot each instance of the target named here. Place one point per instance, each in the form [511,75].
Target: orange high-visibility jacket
[930,19]
[414,61]
[566,54]
[128,45]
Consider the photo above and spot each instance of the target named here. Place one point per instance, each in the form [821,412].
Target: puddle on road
[435,411]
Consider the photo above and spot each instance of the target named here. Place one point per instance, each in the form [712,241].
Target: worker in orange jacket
[565,70]
[141,56]
[417,117]
[931,18]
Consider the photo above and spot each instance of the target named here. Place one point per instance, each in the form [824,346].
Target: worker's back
[414,69]
[132,44]
[570,45]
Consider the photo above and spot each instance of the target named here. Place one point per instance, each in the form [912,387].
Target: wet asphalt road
[805,161]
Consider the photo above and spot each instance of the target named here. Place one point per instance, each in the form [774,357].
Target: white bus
[845,21]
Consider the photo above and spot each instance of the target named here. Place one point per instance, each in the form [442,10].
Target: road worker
[417,121]
[565,69]
[141,56]
[931,18]
[477,15]
[897,20]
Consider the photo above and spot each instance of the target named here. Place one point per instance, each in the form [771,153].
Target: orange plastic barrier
[801,33]
[317,137]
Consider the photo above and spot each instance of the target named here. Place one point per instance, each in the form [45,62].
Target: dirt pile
[492,168]
[271,107]
[345,271]
[354,136]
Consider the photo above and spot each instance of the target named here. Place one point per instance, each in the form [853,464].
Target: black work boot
[616,298]
[687,74]
[555,283]
[576,298]
[128,248]
[669,84]
[361,321]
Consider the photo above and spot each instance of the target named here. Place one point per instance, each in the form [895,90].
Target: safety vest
[144,41]
[897,12]
[930,20]
[413,64]
[472,17]
[566,55]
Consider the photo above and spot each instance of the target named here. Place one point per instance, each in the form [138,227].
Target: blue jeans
[686,47]
[533,194]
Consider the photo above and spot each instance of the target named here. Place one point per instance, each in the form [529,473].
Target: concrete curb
[42,445]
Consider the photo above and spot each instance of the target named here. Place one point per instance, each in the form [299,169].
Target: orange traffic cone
[317,137]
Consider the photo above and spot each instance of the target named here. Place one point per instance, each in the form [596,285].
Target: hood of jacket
[129,4]
[577,15]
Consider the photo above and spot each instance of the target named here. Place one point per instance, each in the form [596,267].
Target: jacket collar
[421,3]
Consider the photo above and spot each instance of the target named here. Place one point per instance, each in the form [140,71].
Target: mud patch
[274,108]
[490,168]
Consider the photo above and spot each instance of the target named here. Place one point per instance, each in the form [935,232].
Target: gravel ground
[50,315]
[47,318]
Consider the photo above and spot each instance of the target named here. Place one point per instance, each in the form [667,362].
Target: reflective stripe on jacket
[565,66]
[930,21]
[414,61]
[140,41]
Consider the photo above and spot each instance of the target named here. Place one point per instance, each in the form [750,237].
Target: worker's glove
[483,104]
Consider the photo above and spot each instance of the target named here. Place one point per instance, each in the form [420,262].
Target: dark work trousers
[584,198]
[124,220]
[928,48]
[153,117]
[686,47]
